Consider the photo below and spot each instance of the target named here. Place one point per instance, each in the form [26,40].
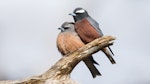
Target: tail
[89,63]
[107,53]
[111,51]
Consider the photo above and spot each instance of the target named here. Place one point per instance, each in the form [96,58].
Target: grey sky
[28,31]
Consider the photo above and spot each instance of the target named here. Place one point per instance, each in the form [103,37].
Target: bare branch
[59,73]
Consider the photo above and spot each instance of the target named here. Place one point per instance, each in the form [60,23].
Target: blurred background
[28,31]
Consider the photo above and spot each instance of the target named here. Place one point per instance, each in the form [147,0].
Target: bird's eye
[66,27]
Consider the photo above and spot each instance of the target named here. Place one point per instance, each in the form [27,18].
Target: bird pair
[75,35]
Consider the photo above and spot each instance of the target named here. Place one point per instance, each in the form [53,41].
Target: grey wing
[95,25]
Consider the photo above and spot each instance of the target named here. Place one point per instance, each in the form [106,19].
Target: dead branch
[59,73]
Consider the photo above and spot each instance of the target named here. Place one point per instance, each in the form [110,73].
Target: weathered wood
[59,73]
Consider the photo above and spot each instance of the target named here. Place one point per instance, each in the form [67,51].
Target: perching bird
[68,41]
[88,29]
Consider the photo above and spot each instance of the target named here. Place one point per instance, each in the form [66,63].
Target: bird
[68,41]
[88,30]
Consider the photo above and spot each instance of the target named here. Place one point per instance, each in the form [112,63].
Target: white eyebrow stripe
[80,11]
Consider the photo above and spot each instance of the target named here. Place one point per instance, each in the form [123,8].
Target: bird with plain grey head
[88,30]
[68,41]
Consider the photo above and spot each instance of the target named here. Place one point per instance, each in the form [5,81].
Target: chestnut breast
[86,31]
[68,42]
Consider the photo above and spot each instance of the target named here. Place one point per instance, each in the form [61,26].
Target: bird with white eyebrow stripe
[88,30]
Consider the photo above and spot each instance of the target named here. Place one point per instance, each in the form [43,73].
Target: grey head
[79,14]
[67,26]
